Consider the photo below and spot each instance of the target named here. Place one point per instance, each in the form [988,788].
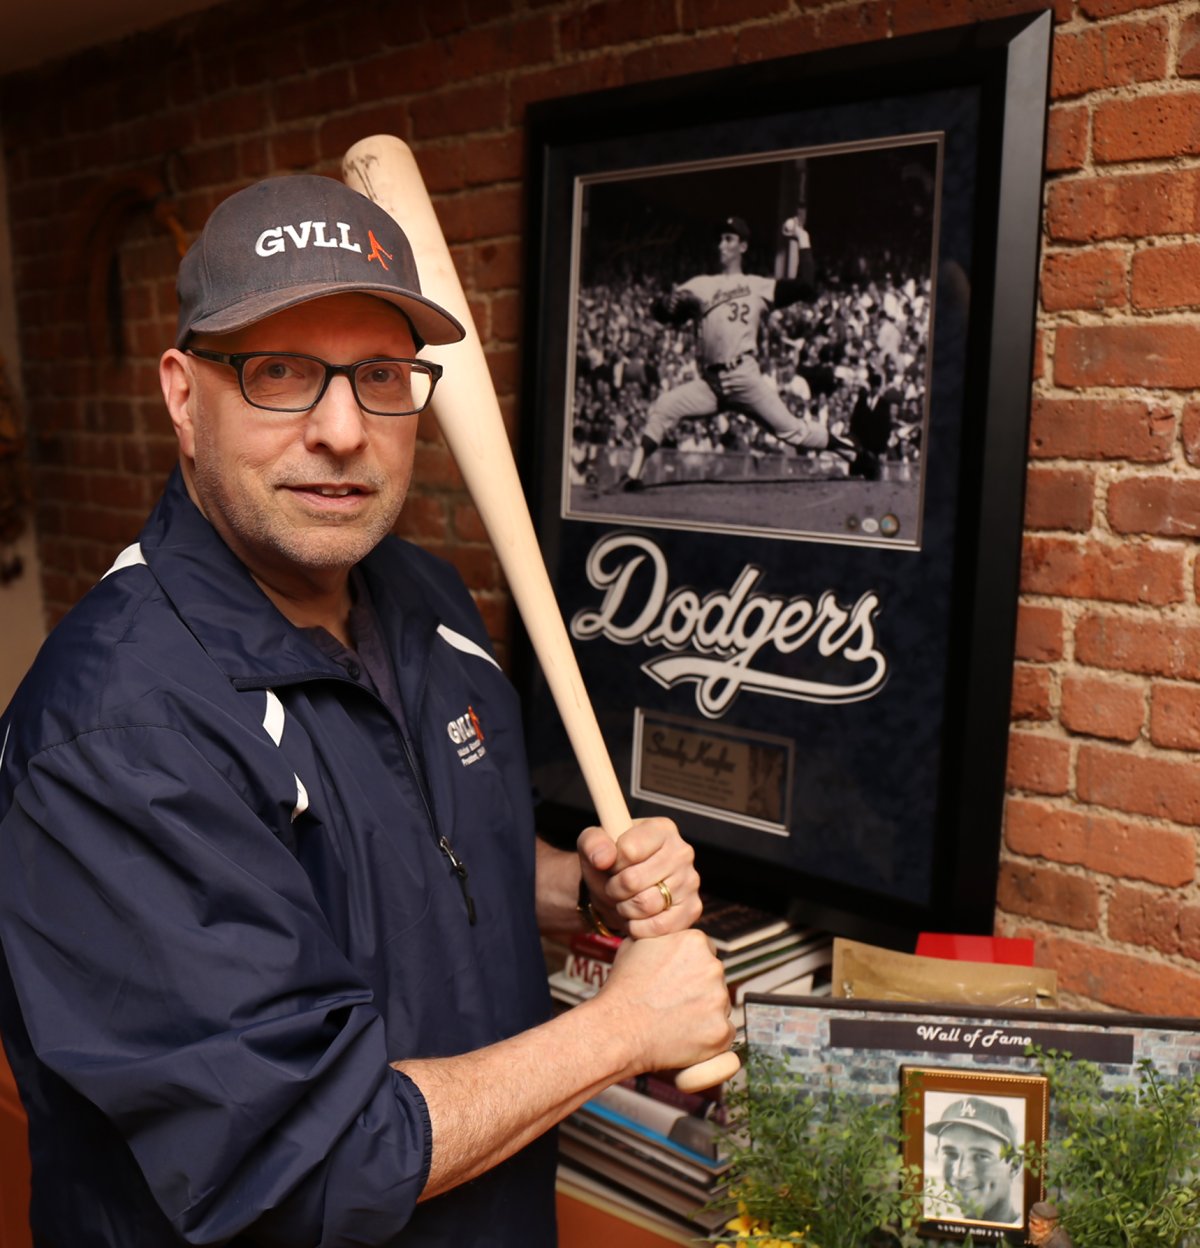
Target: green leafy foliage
[825,1166]
[1123,1164]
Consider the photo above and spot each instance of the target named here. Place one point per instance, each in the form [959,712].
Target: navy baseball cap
[738,226]
[983,1115]
[287,240]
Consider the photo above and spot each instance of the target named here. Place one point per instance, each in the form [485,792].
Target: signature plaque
[694,765]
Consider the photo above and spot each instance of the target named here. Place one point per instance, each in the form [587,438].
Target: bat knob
[706,1074]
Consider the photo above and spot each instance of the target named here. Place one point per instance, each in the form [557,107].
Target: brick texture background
[1099,857]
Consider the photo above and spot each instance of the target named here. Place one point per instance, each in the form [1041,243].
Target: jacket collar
[241,630]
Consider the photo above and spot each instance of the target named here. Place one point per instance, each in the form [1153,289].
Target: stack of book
[666,1160]
[644,1143]
[764,953]
[761,953]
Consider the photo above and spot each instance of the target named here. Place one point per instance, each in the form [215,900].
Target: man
[1044,1230]
[729,307]
[269,888]
[975,1143]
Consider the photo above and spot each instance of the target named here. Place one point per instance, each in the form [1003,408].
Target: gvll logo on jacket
[467,733]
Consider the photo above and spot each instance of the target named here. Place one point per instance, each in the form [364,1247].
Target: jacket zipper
[443,842]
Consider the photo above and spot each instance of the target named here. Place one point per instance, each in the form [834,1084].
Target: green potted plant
[819,1167]
[1122,1164]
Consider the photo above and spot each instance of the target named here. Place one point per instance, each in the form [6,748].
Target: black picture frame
[878,803]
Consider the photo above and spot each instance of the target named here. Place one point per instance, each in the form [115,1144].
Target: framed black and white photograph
[774,412]
[966,1130]
[776,403]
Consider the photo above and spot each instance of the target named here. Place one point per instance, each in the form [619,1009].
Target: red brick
[492,158]
[462,110]
[1038,763]
[560,80]
[434,467]
[685,56]
[497,611]
[1166,277]
[1090,209]
[1059,498]
[1031,693]
[1100,707]
[1039,633]
[1049,894]
[293,149]
[1187,53]
[1089,280]
[480,51]
[700,14]
[614,22]
[853,23]
[1161,921]
[423,519]
[1146,127]
[1148,646]
[1099,842]
[1162,354]
[1098,9]
[1120,980]
[468,526]
[1067,138]
[1165,506]
[1113,55]
[1127,572]
[490,212]
[1175,716]
[1190,432]
[1138,784]
[335,135]
[401,74]
[911,16]
[1101,429]
[497,266]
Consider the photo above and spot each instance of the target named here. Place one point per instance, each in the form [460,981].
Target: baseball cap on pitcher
[287,240]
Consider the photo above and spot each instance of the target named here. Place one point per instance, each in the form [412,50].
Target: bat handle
[706,1074]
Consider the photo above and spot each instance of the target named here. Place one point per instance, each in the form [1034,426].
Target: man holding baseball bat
[270,892]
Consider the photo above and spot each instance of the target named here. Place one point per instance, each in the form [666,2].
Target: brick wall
[1099,861]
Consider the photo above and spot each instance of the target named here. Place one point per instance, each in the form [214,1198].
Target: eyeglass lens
[293,382]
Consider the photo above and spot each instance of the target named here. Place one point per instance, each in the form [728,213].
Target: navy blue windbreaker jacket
[224,910]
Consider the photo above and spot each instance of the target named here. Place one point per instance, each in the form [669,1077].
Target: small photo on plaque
[740,776]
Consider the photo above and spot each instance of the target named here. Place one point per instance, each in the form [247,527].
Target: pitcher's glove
[676,306]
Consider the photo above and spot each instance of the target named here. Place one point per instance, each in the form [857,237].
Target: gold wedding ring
[668,900]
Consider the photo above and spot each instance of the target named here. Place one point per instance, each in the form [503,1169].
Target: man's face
[730,248]
[975,1172]
[303,496]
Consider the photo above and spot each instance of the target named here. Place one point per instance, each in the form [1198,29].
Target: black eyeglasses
[282,381]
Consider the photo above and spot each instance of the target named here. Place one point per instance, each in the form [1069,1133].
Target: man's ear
[179,393]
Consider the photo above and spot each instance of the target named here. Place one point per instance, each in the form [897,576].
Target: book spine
[591,972]
[694,1103]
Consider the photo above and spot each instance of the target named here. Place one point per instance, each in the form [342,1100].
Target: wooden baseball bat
[383,168]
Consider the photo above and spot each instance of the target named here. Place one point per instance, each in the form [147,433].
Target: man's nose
[336,422]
